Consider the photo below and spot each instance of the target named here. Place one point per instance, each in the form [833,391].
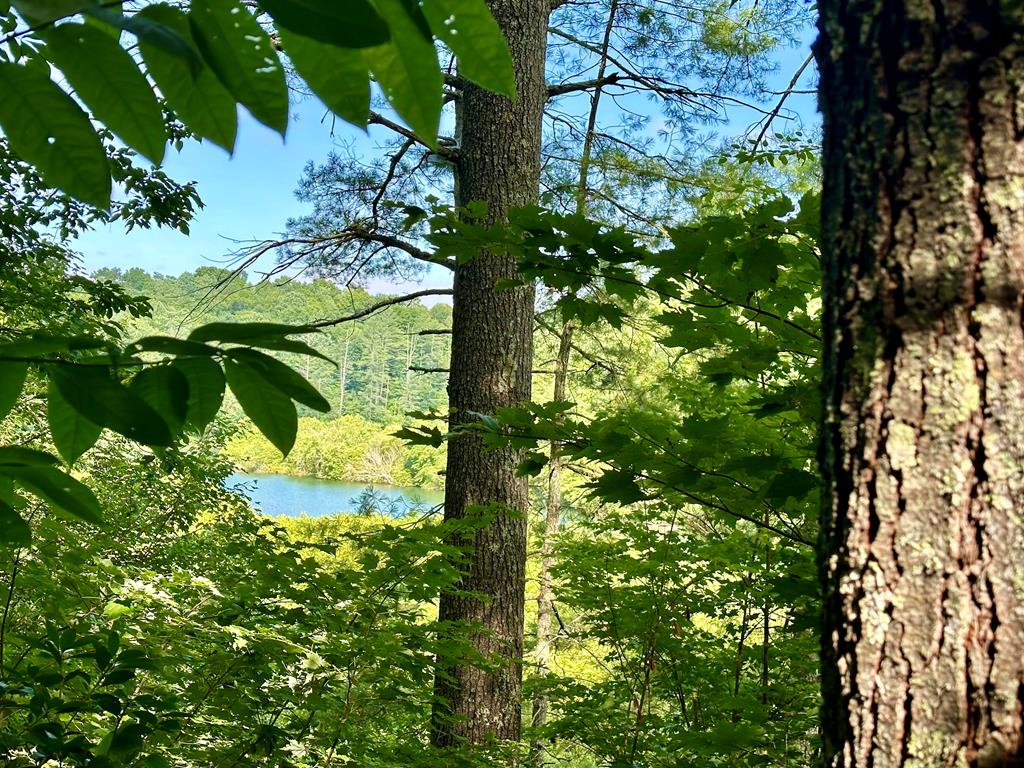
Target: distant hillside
[375,355]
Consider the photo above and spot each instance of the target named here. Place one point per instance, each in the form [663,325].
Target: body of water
[296,496]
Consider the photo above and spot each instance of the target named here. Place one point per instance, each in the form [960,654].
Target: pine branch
[448,153]
[383,304]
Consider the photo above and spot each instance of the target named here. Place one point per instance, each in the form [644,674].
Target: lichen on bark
[923,429]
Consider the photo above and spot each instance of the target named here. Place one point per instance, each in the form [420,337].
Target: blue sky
[249,195]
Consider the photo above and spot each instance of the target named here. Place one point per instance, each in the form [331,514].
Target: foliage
[368,373]
[193,632]
[211,57]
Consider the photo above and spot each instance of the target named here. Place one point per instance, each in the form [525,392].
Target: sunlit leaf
[106,78]
[12,379]
[165,389]
[470,31]
[282,377]
[59,489]
[195,94]
[353,24]
[337,75]
[271,411]
[91,391]
[48,129]
[408,71]
[240,53]
[205,389]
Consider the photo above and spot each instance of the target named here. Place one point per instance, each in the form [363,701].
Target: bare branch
[558,89]
[778,107]
[448,153]
[384,304]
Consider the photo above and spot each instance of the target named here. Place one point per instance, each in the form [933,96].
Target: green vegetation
[371,370]
[639,539]
[348,448]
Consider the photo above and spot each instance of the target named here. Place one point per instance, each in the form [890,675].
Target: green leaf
[240,53]
[242,333]
[337,75]
[38,12]
[269,409]
[13,528]
[13,456]
[47,129]
[352,24]
[205,390]
[532,464]
[128,739]
[40,345]
[619,487]
[281,344]
[91,391]
[72,433]
[60,490]
[168,345]
[282,377]
[106,78]
[165,389]
[472,34]
[408,72]
[12,379]
[198,97]
[145,29]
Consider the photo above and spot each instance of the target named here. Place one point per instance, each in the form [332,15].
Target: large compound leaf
[407,69]
[45,127]
[91,391]
[241,333]
[165,390]
[198,97]
[39,12]
[339,76]
[472,34]
[240,53]
[352,24]
[106,78]
[12,379]
[72,433]
[205,390]
[59,489]
[271,410]
[281,376]
[13,528]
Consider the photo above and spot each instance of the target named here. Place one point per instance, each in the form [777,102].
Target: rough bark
[499,163]
[923,434]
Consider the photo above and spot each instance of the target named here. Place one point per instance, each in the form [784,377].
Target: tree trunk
[343,377]
[491,360]
[552,521]
[923,434]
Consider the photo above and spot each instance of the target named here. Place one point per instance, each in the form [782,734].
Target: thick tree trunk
[923,435]
[492,348]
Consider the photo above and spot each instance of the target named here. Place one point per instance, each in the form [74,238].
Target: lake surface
[296,496]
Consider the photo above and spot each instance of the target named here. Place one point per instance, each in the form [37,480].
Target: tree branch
[384,304]
[448,153]
[778,107]
[558,89]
